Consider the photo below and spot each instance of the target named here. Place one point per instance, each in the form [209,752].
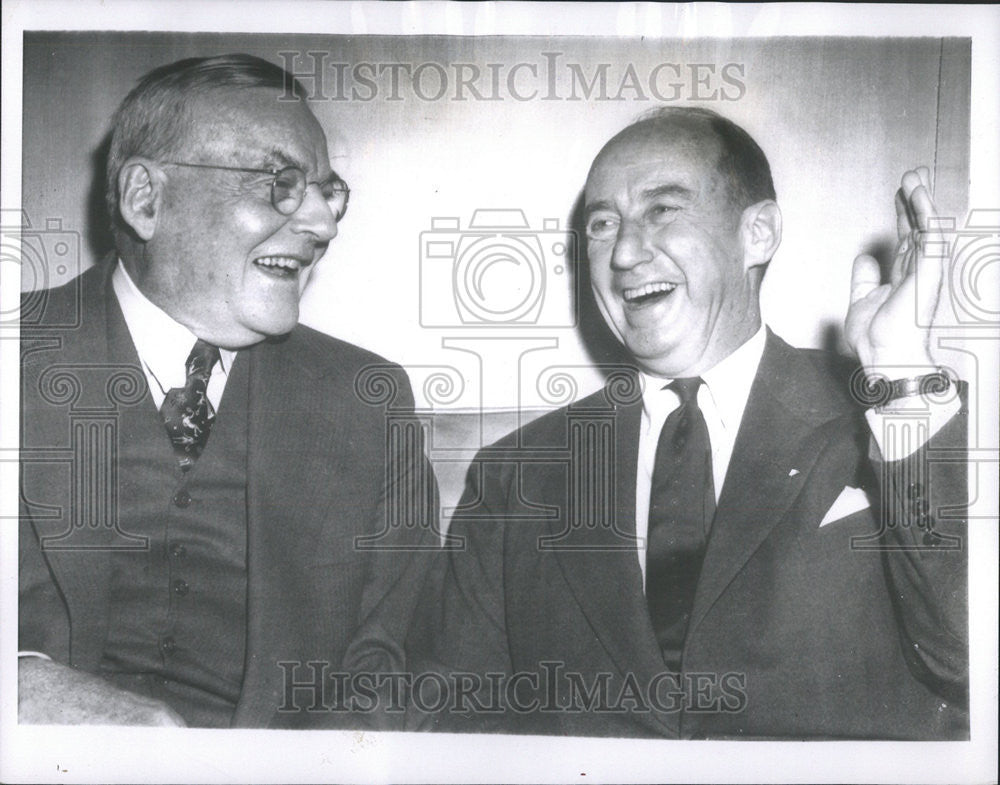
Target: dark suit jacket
[849,630]
[340,526]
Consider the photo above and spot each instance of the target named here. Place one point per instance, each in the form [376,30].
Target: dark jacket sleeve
[404,540]
[43,620]
[461,634]
[924,502]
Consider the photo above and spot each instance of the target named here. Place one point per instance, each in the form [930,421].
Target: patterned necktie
[186,411]
[681,508]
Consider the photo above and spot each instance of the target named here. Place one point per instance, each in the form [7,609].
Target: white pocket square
[850,501]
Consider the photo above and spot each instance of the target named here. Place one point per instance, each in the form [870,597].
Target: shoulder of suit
[61,306]
[333,353]
[59,323]
[550,428]
[341,369]
[815,384]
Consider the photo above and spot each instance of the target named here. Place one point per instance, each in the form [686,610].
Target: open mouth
[279,266]
[648,293]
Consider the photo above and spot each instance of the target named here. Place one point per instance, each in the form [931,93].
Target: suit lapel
[96,353]
[771,459]
[601,565]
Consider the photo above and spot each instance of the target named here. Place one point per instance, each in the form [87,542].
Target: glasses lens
[287,190]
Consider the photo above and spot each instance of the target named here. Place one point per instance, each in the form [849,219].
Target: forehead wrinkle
[667,189]
[257,130]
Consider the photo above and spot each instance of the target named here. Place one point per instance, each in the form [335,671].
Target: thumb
[866,277]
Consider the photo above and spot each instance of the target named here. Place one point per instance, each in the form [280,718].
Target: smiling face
[222,260]
[666,249]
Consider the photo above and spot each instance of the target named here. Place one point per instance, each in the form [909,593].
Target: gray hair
[154,119]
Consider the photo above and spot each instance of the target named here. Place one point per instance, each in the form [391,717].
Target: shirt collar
[162,343]
[728,382]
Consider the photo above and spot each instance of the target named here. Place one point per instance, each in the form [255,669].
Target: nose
[315,216]
[630,247]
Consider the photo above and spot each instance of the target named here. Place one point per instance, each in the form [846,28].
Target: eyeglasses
[288,188]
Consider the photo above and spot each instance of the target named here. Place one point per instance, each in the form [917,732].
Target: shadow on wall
[99,236]
[882,249]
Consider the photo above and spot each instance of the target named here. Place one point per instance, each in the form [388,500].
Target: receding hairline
[740,162]
[662,132]
[669,129]
[204,116]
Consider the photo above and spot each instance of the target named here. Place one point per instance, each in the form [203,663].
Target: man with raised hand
[728,544]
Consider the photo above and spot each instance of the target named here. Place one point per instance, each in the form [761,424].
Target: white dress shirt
[723,398]
[163,345]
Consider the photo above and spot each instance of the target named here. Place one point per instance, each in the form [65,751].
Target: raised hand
[883,321]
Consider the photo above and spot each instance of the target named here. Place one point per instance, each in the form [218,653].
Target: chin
[279,329]
[274,326]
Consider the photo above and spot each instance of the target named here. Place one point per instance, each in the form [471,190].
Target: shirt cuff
[38,654]
[901,431]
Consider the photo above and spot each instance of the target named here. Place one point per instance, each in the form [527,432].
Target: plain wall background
[840,120]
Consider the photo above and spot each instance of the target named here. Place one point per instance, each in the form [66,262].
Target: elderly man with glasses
[232,530]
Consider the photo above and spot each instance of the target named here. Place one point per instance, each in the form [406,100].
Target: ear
[140,189]
[760,232]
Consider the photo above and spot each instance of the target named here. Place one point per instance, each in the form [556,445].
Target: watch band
[878,390]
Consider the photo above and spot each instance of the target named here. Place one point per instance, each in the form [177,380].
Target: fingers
[902,262]
[916,191]
[865,277]
[925,178]
[926,268]
[904,221]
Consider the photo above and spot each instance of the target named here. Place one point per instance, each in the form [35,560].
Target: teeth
[280,262]
[647,289]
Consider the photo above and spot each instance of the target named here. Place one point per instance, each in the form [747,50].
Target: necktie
[186,411]
[681,508]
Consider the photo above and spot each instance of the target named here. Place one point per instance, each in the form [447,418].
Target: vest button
[177,550]
[180,588]
[182,498]
[168,645]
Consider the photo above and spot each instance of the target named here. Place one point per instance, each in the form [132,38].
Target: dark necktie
[681,508]
[186,411]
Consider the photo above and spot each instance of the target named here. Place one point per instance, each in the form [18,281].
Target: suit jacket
[340,524]
[853,629]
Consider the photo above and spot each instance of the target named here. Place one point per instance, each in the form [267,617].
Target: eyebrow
[668,189]
[282,159]
[594,207]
